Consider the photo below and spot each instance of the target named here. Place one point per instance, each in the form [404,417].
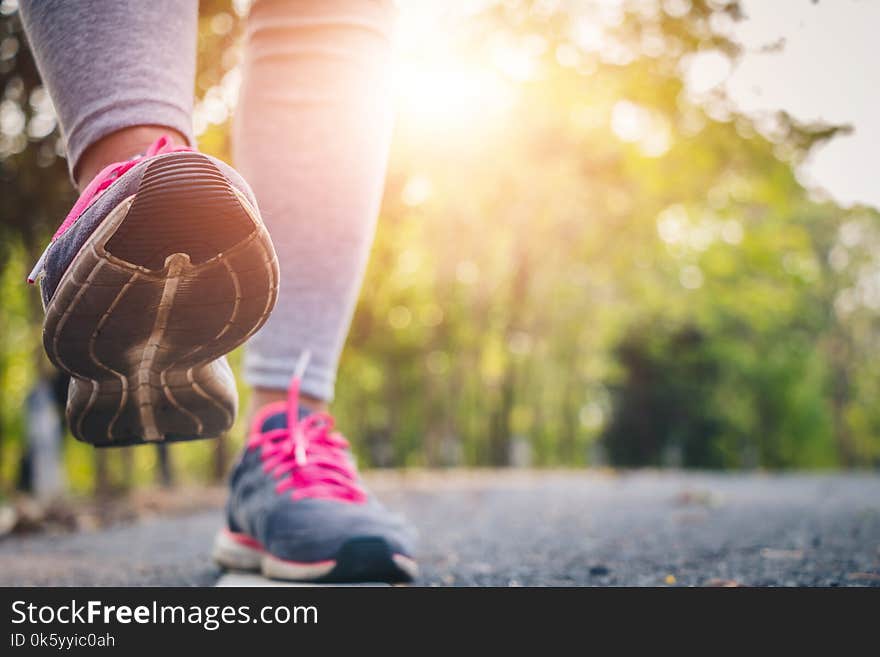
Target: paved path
[531,528]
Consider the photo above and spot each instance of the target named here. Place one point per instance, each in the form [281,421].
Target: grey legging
[311,136]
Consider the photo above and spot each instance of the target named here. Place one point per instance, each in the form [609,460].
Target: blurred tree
[665,409]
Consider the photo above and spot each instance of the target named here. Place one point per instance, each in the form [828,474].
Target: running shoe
[161,267]
[298,510]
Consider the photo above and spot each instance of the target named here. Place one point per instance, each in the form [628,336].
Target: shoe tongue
[279,420]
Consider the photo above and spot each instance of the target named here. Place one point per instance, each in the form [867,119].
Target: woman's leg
[119,73]
[311,136]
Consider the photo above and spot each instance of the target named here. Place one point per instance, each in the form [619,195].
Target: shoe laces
[106,177]
[307,456]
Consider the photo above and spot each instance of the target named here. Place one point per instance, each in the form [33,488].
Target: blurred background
[597,247]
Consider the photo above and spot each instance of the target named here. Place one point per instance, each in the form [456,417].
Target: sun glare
[445,97]
[438,88]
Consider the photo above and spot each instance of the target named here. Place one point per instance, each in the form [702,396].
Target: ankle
[120,146]
[262,396]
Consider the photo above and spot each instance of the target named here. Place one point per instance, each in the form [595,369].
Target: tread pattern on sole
[156,227]
[143,342]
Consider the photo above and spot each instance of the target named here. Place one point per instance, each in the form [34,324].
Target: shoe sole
[179,274]
[361,559]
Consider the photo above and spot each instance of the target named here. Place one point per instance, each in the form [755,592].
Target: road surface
[525,528]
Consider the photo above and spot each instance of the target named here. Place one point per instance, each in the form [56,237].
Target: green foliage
[713,400]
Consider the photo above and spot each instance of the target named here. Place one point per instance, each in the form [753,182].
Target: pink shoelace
[308,450]
[106,177]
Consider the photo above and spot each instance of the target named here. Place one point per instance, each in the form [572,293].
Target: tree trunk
[166,468]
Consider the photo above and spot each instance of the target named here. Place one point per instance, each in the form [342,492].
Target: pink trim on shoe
[263,414]
[244,539]
[254,544]
[106,177]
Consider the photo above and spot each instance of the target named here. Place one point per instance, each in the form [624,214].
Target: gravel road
[529,528]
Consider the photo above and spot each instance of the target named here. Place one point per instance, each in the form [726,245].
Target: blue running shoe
[161,268]
[297,509]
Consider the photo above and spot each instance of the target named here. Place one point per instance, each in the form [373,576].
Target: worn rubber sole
[177,275]
[362,559]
